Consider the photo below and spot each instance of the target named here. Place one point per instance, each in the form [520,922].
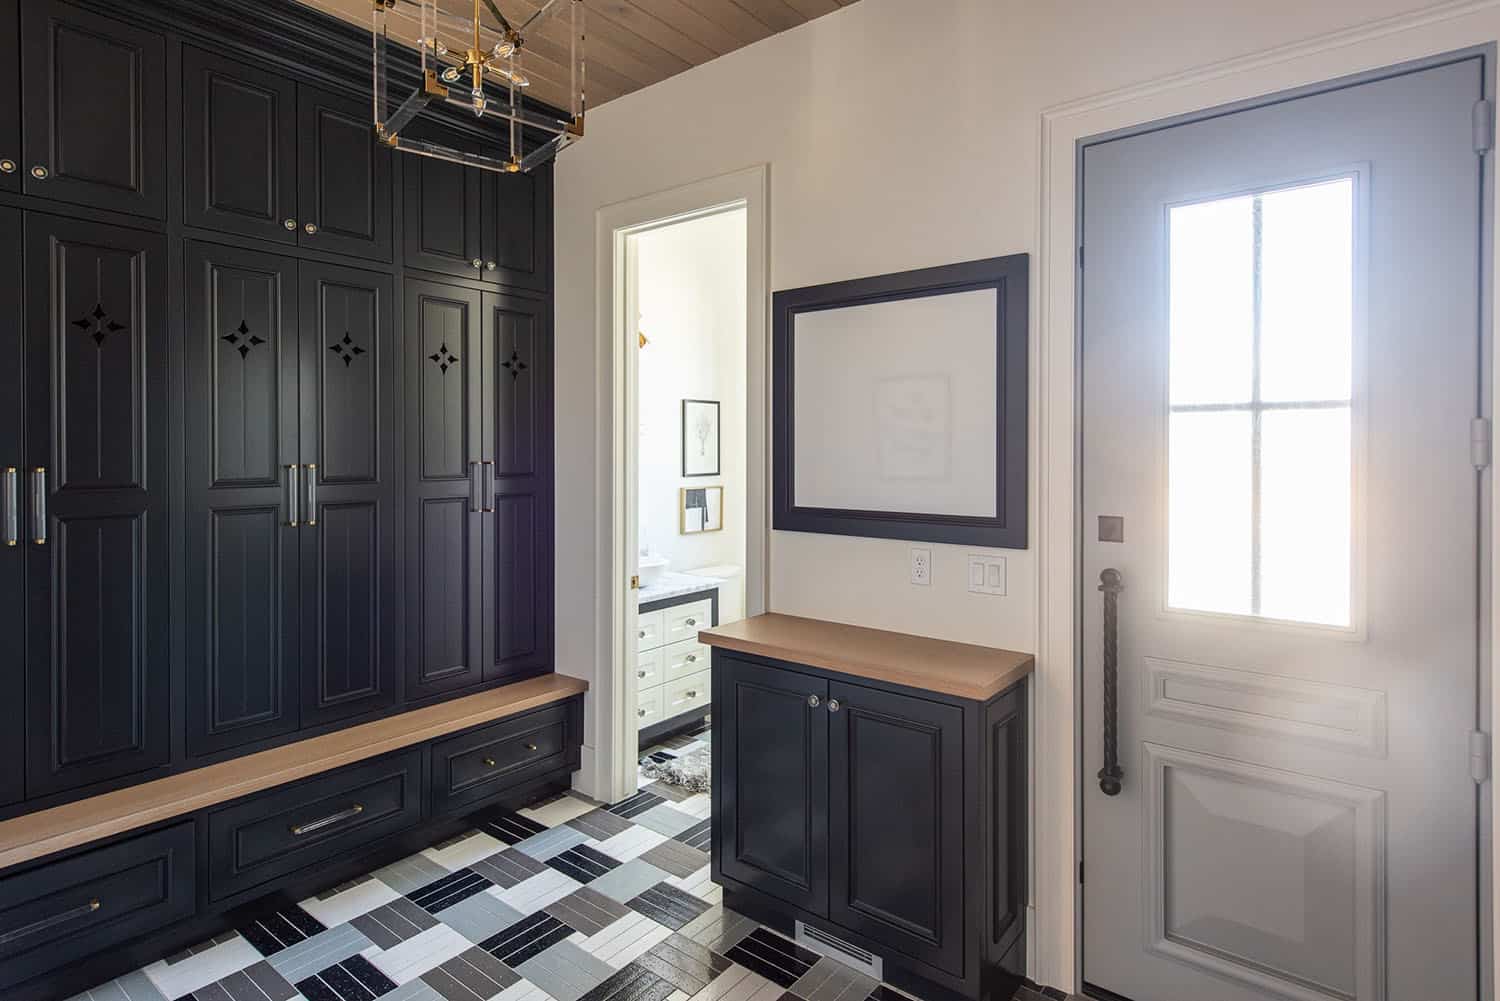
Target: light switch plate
[987,574]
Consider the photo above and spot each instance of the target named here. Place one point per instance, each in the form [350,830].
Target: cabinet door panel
[10,95]
[444,534]
[518,534]
[351,565]
[12,471]
[97,423]
[95,109]
[896,813]
[239,147]
[345,189]
[241,598]
[444,219]
[771,755]
[520,242]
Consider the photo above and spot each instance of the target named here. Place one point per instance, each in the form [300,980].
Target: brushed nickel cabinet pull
[692,658]
[312,494]
[290,224]
[692,622]
[490,265]
[833,705]
[477,263]
[640,674]
[298,830]
[640,712]
[39,505]
[474,476]
[692,693]
[10,506]
[814,701]
[293,519]
[52,922]
[488,486]
[311,228]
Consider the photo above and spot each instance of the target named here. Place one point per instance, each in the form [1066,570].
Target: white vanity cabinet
[672,669]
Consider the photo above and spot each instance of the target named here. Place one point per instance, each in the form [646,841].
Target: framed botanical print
[700,437]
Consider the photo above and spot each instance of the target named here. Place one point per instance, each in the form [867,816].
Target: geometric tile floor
[563,901]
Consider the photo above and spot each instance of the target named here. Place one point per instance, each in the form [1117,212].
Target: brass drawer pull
[45,923]
[489,762]
[299,830]
[531,748]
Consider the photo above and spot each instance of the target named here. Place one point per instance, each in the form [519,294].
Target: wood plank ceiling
[631,43]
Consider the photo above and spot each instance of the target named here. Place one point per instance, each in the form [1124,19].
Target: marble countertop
[670,585]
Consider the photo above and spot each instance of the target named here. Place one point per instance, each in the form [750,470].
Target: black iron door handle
[1111,774]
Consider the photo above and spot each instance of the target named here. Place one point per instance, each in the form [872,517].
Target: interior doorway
[683,310]
[685,290]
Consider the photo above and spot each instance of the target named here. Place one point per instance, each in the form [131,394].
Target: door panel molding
[1346,823]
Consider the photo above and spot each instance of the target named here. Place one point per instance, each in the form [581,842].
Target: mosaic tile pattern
[563,901]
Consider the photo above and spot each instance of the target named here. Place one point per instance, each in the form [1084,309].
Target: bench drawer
[285,829]
[484,763]
[60,913]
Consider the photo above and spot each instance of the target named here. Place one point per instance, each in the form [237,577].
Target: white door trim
[609,773]
[1056,941]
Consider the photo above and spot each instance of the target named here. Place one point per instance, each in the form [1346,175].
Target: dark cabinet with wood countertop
[890,816]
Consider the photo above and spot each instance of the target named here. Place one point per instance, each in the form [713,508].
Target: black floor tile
[779,960]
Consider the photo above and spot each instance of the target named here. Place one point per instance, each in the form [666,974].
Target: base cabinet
[891,818]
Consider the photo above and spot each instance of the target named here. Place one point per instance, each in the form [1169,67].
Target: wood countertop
[38,834]
[962,669]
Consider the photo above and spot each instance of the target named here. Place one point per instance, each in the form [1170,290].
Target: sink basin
[651,568]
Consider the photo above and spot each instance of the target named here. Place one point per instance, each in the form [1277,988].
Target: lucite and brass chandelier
[475,60]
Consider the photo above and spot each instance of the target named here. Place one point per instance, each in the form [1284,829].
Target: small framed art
[700,437]
[700,509]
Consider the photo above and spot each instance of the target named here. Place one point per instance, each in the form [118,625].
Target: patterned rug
[564,901]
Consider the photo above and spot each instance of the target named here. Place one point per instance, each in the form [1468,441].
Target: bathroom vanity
[673,670]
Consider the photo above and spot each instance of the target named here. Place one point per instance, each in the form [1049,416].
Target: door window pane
[1260,494]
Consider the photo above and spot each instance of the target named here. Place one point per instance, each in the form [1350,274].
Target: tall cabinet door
[94,109]
[351,560]
[883,745]
[345,178]
[10,95]
[770,758]
[241,596]
[444,222]
[518,248]
[97,433]
[517,352]
[12,509]
[239,148]
[444,545]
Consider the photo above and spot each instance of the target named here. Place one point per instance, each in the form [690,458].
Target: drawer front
[286,829]
[686,694]
[648,629]
[684,621]
[648,708]
[683,659]
[59,913]
[484,763]
[648,667]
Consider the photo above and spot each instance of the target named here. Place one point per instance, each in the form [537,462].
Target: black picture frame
[718,438]
[1009,276]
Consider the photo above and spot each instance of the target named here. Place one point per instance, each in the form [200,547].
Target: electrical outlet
[987,574]
[921,566]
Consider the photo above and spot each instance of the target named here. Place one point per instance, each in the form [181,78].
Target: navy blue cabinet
[13,541]
[10,91]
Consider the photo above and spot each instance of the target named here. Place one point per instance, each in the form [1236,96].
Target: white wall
[690,286]
[899,134]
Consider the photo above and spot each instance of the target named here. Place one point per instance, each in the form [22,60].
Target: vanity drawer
[59,913]
[684,621]
[483,763]
[685,694]
[649,629]
[648,668]
[684,658]
[288,828]
[648,708]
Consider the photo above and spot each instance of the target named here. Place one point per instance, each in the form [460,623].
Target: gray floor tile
[587,911]
[566,971]
[601,825]
[628,881]
[666,819]
[478,917]
[676,858]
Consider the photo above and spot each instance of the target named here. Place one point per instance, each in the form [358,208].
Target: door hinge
[635,582]
[1479,756]
[1480,442]
[1484,126]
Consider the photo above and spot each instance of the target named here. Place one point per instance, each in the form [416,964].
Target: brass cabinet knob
[531,747]
[290,224]
[311,228]
[7,166]
[40,173]
[489,762]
